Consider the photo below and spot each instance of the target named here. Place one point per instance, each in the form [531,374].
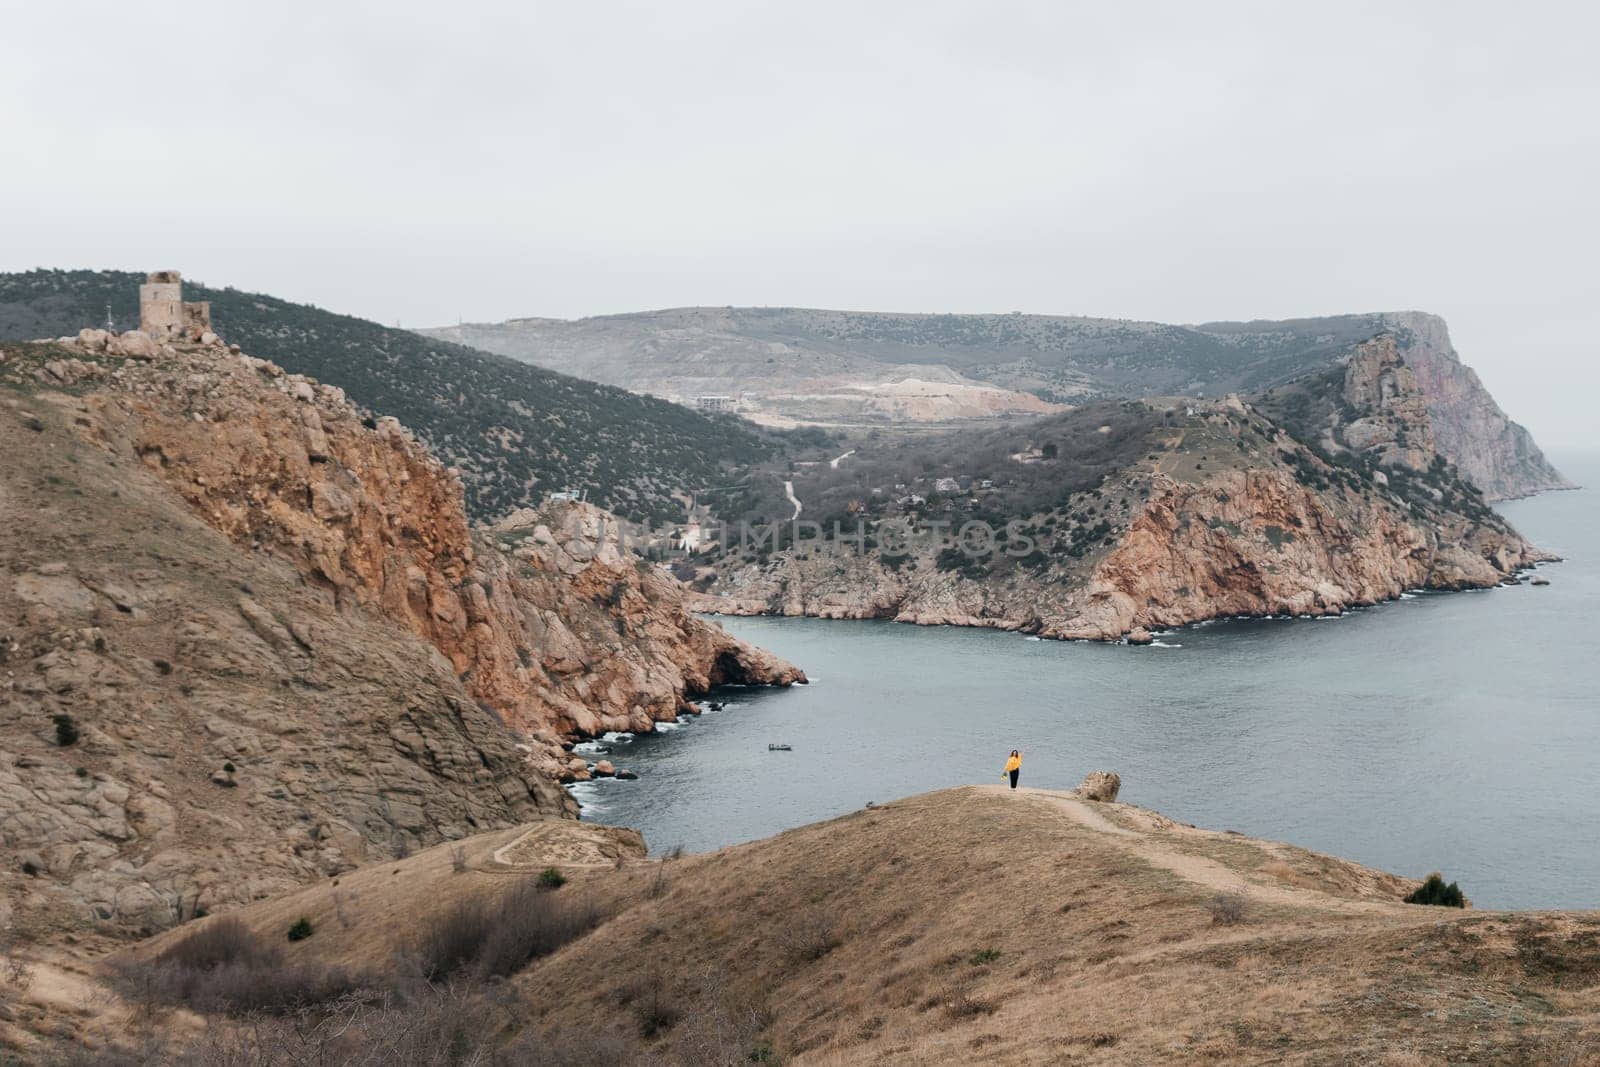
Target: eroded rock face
[233,732]
[1497,454]
[299,661]
[557,633]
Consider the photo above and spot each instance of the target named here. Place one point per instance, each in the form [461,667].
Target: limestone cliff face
[557,634]
[186,725]
[300,660]
[1230,515]
[1497,454]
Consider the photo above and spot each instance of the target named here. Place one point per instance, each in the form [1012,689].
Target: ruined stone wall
[196,319]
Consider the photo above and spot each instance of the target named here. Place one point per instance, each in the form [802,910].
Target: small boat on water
[780,748]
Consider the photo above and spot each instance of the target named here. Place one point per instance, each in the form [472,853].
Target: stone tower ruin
[164,315]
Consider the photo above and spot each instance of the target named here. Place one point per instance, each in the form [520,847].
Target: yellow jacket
[1013,764]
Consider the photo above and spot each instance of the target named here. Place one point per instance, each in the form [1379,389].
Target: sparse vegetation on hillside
[224,967]
[1313,409]
[492,939]
[1061,455]
[516,431]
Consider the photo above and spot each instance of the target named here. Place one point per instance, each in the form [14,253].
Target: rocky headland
[250,638]
[1325,494]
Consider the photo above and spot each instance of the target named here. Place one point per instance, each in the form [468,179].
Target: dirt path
[1200,870]
[553,843]
[788,491]
[1169,462]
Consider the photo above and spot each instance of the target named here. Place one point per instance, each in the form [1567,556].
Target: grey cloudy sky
[1177,161]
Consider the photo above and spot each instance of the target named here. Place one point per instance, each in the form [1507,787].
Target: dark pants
[1014,777]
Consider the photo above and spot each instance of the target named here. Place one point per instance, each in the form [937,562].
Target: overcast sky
[1178,162]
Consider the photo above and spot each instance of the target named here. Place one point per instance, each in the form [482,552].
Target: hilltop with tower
[165,316]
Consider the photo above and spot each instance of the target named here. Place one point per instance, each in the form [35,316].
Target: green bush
[1434,891]
[66,730]
[551,878]
[301,929]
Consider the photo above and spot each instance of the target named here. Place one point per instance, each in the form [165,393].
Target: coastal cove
[1451,732]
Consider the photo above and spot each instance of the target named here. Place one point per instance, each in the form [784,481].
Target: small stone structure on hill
[165,316]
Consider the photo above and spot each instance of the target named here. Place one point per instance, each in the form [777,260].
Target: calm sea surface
[1455,732]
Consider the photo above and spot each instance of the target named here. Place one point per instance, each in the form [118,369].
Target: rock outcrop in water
[1325,495]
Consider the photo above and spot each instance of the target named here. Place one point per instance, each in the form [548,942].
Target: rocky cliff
[283,647]
[1227,513]
[1495,453]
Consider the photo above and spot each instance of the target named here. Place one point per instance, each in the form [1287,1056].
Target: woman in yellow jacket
[1013,766]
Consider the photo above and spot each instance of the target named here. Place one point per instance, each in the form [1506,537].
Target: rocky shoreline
[713,607]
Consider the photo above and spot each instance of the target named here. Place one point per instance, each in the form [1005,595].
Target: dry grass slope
[975,923]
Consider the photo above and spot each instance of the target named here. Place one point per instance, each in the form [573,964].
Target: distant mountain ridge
[796,363]
[516,431]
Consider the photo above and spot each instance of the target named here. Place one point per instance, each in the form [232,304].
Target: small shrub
[988,955]
[810,937]
[227,940]
[551,878]
[66,730]
[1435,891]
[1228,908]
[653,1006]
[223,967]
[962,1003]
[452,942]
[499,938]
[301,929]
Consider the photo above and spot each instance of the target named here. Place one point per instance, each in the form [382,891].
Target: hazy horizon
[1159,162]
